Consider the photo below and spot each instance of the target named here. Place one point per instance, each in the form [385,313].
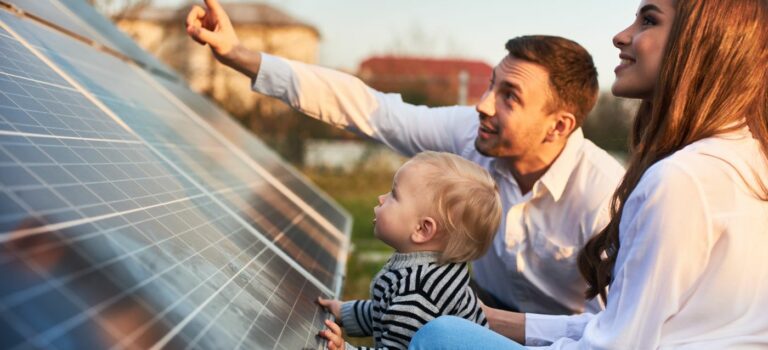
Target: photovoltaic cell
[220,121]
[293,231]
[117,38]
[168,129]
[51,11]
[82,19]
[69,179]
[126,222]
[16,63]
[150,280]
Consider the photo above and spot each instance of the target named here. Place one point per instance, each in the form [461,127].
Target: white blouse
[692,269]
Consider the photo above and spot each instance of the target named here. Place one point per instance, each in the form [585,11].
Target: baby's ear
[425,232]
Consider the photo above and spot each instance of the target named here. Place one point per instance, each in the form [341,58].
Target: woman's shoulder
[715,161]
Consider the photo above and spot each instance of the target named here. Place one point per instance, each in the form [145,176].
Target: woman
[684,253]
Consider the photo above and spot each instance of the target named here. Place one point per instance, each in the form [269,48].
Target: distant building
[430,81]
[260,27]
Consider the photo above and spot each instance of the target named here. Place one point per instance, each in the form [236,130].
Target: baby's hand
[333,336]
[333,306]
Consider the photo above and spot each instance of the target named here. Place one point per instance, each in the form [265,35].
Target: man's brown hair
[572,74]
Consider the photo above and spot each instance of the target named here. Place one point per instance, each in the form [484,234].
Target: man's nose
[486,104]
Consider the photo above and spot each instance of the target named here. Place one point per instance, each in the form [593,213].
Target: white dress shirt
[532,263]
[692,269]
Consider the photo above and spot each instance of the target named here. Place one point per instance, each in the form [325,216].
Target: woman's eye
[648,21]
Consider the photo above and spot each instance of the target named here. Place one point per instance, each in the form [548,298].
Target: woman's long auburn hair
[712,80]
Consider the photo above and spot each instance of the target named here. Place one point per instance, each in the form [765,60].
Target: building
[430,81]
[260,27]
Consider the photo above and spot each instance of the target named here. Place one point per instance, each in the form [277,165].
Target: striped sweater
[409,291]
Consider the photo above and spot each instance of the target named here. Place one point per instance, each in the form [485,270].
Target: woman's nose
[622,38]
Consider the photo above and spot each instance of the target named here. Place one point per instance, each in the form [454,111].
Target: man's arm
[211,26]
[344,101]
[334,97]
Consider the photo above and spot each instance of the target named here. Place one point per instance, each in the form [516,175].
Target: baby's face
[400,211]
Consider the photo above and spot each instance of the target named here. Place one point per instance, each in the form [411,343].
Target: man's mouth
[485,131]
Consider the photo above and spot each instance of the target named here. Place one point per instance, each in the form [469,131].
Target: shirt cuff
[545,329]
[349,320]
[273,77]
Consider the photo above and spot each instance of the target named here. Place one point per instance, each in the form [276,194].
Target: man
[555,185]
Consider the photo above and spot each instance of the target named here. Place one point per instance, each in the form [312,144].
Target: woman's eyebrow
[650,7]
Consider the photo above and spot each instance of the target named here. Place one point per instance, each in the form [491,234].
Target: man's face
[513,118]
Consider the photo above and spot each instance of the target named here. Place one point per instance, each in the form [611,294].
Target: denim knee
[430,335]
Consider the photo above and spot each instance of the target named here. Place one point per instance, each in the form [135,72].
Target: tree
[609,123]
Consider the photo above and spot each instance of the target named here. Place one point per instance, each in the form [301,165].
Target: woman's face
[641,47]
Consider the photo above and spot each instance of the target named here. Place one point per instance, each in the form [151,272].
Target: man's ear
[565,123]
[425,232]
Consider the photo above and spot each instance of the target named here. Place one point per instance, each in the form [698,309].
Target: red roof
[388,69]
[417,65]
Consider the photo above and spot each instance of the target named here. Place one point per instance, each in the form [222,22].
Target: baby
[441,213]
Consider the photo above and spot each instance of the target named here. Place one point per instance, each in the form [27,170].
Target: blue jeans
[451,332]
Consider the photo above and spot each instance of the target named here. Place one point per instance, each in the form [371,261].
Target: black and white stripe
[411,290]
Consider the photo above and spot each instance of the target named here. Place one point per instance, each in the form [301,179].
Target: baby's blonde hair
[467,204]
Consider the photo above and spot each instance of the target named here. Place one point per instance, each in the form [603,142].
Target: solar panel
[81,19]
[256,149]
[157,120]
[127,221]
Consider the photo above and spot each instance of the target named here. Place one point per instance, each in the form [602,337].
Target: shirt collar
[402,260]
[558,174]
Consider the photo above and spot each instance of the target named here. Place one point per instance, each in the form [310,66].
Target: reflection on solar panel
[135,214]
[80,19]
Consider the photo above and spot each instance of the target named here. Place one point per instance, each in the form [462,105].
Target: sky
[352,30]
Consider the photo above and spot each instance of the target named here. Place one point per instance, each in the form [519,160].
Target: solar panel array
[136,214]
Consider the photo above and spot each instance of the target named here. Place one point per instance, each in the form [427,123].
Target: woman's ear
[425,232]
